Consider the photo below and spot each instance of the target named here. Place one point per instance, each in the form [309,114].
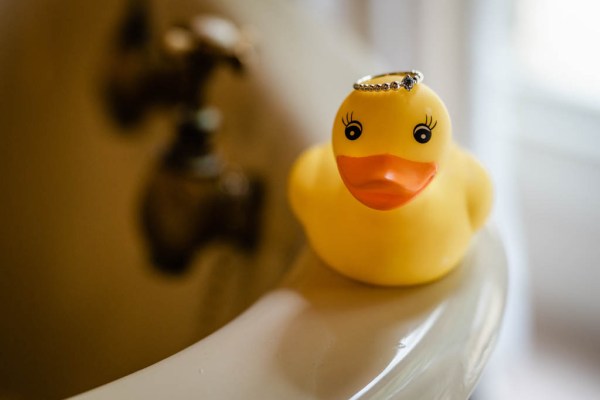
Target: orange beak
[384,181]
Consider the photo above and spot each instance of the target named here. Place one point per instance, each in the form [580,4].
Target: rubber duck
[392,200]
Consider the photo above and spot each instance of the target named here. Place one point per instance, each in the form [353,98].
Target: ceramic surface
[322,336]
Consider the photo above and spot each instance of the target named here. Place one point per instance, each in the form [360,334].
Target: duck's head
[390,145]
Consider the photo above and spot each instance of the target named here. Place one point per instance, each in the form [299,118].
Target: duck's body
[416,243]
[393,201]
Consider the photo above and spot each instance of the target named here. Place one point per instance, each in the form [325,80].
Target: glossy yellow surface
[414,243]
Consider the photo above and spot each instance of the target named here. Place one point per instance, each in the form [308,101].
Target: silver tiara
[410,79]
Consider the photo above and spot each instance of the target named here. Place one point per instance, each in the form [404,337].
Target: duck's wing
[305,178]
[478,189]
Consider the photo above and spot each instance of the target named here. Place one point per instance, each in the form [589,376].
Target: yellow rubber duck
[392,200]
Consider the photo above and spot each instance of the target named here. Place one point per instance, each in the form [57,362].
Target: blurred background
[82,302]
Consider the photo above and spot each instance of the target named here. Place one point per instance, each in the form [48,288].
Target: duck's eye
[422,133]
[353,130]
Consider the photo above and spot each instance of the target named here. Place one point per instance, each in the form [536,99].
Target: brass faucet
[193,197]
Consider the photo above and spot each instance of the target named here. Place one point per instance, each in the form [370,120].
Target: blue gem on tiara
[408,82]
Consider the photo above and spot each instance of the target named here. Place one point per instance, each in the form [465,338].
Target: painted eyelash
[348,119]
[428,122]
